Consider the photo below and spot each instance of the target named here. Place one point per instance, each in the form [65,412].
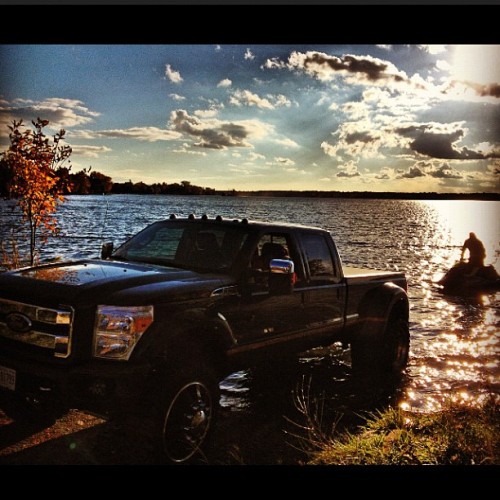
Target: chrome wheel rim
[187,421]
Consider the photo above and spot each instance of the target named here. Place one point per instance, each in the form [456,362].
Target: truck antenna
[105,217]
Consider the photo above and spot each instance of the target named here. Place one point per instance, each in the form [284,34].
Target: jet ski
[465,278]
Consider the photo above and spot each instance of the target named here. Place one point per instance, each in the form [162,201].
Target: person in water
[477,253]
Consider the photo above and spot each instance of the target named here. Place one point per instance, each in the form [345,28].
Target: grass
[457,435]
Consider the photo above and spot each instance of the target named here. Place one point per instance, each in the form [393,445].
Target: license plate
[7,378]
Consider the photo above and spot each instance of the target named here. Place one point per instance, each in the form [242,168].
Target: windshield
[188,245]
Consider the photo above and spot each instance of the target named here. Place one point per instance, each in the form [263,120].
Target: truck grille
[38,326]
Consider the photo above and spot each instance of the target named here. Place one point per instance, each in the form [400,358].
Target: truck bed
[360,275]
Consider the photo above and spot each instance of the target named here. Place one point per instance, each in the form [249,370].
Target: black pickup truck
[153,326]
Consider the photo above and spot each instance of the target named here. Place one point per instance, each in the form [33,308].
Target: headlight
[118,329]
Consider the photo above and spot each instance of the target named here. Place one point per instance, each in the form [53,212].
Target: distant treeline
[389,195]
[93,182]
[97,183]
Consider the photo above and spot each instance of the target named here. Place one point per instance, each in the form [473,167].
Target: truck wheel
[375,352]
[187,414]
[396,346]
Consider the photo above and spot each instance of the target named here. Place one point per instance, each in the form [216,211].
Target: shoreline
[322,194]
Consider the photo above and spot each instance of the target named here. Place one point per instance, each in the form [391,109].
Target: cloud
[284,161]
[61,113]
[177,97]
[412,173]
[433,49]
[173,76]
[89,151]
[247,98]
[248,55]
[445,172]
[185,149]
[385,173]
[218,48]
[225,83]
[328,148]
[217,134]
[148,134]
[357,139]
[359,69]
[348,170]
[288,143]
[432,169]
[438,140]
[273,63]
[492,89]
[494,168]
[255,156]
[384,47]
[443,65]
[206,113]
[281,100]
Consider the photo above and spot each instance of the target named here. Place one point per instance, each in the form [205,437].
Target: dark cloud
[324,66]
[412,173]
[212,135]
[445,172]
[424,169]
[493,89]
[365,137]
[348,174]
[60,112]
[439,142]
[372,68]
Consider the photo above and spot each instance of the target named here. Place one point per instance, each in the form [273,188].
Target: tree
[100,183]
[38,176]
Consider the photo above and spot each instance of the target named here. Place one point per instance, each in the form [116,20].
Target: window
[185,244]
[318,257]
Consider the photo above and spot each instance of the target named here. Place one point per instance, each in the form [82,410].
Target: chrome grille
[39,326]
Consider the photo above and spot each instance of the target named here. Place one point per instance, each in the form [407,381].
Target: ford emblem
[18,322]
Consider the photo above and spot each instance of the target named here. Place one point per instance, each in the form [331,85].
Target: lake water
[455,342]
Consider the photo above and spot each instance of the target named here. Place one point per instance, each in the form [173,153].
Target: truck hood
[86,272]
[94,280]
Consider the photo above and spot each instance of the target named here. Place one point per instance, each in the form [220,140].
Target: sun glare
[476,63]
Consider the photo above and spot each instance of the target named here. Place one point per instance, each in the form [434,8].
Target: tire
[185,414]
[376,353]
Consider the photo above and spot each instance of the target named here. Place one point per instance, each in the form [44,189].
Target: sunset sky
[348,118]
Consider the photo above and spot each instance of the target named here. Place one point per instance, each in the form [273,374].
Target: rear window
[318,257]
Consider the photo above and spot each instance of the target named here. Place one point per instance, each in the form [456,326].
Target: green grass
[458,435]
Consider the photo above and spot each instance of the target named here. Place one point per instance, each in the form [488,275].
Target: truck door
[323,292]
[261,315]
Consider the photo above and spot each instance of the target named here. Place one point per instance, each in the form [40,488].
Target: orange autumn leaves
[37,176]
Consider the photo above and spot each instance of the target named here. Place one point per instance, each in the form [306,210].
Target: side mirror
[106,250]
[281,276]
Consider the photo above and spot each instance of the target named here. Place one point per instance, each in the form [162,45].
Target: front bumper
[105,388]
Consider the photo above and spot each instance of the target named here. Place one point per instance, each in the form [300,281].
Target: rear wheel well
[381,344]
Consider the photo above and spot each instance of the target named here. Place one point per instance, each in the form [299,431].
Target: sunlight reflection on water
[455,344]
